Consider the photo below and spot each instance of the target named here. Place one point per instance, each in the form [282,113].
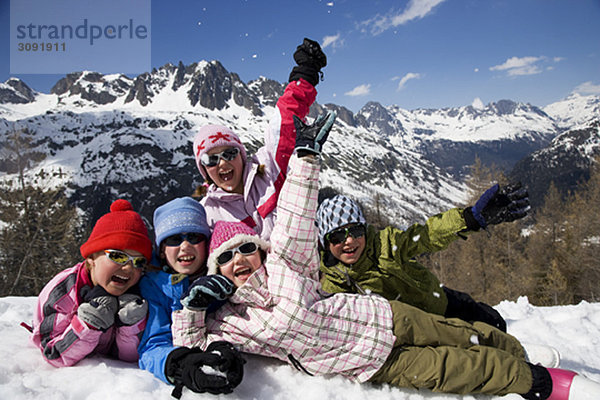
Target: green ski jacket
[387,266]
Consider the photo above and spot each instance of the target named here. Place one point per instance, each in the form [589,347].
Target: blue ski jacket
[162,291]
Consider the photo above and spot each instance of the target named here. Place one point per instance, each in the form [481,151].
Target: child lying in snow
[276,310]
[94,306]
[358,258]
[182,245]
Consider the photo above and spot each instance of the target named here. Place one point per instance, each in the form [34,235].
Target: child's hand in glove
[310,138]
[217,370]
[132,309]
[497,205]
[205,290]
[310,59]
[99,309]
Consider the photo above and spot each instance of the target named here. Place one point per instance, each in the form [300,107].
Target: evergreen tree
[39,231]
[582,236]
[544,248]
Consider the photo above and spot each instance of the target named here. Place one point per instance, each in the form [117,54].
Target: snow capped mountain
[15,91]
[91,86]
[566,162]
[501,120]
[502,132]
[168,88]
[109,136]
[574,111]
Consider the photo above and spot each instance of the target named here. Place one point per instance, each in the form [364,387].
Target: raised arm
[296,100]
[294,239]
[436,234]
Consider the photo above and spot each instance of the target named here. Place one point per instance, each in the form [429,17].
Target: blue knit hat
[182,215]
[335,212]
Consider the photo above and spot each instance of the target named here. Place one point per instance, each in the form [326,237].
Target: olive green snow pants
[452,356]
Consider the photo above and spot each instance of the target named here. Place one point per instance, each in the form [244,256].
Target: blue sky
[414,54]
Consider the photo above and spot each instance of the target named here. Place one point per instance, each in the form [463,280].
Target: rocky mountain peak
[93,86]
[212,86]
[267,90]
[141,90]
[374,115]
[346,115]
[503,107]
[509,107]
[566,162]
[16,91]
[202,84]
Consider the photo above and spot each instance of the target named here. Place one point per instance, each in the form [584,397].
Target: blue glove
[310,138]
[206,290]
[498,205]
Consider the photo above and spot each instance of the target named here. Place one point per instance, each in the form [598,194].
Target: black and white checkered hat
[335,212]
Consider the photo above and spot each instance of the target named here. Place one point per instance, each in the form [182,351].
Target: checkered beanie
[335,212]
[211,136]
[182,215]
[227,235]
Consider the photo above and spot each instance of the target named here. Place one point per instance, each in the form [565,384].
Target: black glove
[461,305]
[217,370]
[233,364]
[98,309]
[206,290]
[498,205]
[310,59]
[310,138]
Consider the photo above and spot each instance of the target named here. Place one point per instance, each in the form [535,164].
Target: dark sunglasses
[122,258]
[191,238]
[244,249]
[210,160]
[339,235]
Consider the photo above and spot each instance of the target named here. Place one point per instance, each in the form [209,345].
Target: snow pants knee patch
[447,369]
[414,327]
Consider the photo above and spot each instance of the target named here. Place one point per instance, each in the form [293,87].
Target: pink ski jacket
[65,339]
[257,206]
[279,311]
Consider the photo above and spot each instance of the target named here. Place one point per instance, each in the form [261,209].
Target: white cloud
[333,41]
[406,78]
[587,88]
[520,66]
[478,104]
[361,90]
[415,9]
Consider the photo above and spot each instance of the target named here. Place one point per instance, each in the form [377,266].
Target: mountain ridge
[109,134]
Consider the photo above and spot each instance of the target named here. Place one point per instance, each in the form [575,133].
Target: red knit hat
[120,229]
[227,235]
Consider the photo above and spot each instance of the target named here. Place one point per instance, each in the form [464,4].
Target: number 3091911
[48,47]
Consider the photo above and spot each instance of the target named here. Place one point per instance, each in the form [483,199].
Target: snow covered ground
[573,330]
